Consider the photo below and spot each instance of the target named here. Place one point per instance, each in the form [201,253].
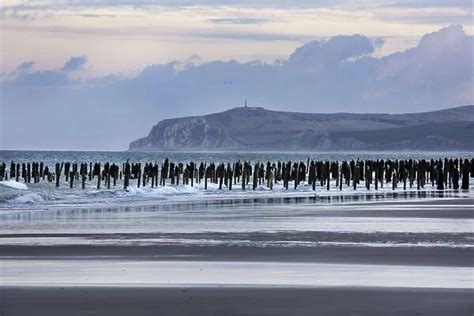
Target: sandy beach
[234,301]
[260,257]
[236,158]
[422,256]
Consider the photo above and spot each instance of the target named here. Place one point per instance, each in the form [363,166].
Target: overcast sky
[98,74]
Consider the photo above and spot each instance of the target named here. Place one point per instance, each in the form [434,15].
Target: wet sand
[416,256]
[418,236]
[118,301]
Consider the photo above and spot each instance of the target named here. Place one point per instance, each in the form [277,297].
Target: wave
[13,193]
[14,185]
[28,198]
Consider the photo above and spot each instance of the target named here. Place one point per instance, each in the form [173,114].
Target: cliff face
[261,129]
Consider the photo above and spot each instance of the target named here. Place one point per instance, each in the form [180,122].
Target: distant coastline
[257,129]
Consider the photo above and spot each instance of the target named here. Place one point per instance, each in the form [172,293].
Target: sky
[95,75]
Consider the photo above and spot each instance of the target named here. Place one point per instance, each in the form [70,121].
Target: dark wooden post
[139,176]
[418,174]
[98,179]
[340,181]
[221,176]
[28,172]
[177,175]
[394,179]
[84,177]
[58,173]
[465,174]
[231,175]
[376,182]
[71,179]
[255,175]
[206,173]
[296,172]
[355,178]
[270,177]
[127,172]
[328,175]
[191,175]
[440,177]
[455,178]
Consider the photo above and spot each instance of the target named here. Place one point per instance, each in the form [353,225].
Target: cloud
[444,55]
[157,33]
[25,77]
[334,50]
[439,69]
[27,65]
[337,75]
[259,3]
[74,63]
[236,21]
[430,4]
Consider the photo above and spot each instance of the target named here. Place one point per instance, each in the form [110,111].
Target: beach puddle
[205,273]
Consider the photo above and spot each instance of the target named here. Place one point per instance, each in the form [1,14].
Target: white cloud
[74,63]
[339,74]
[161,31]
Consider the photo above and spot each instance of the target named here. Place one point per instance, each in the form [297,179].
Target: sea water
[183,216]
[14,194]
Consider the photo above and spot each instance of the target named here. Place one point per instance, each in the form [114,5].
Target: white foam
[14,185]
[64,196]
[29,198]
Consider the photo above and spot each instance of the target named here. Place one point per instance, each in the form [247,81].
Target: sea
[13,194]
[411,223]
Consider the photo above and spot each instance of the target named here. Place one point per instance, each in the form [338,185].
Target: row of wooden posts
[442,174]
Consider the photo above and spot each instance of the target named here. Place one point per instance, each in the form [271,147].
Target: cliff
[256,128]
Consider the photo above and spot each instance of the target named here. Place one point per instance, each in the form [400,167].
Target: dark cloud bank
[49,109]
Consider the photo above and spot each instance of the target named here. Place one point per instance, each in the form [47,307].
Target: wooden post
[98,182]
[455,178]
[221,179]
[270,178]
[115,174]
[296,176]
[231,175]
[255,175]
[376,182]
[355,178]
[71,179]
[328,176]
[465,175]
[340,181]
[66,170]
[192,173]
[28,172]
[394,180]
[440,178]
[127,172]
[58,174]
